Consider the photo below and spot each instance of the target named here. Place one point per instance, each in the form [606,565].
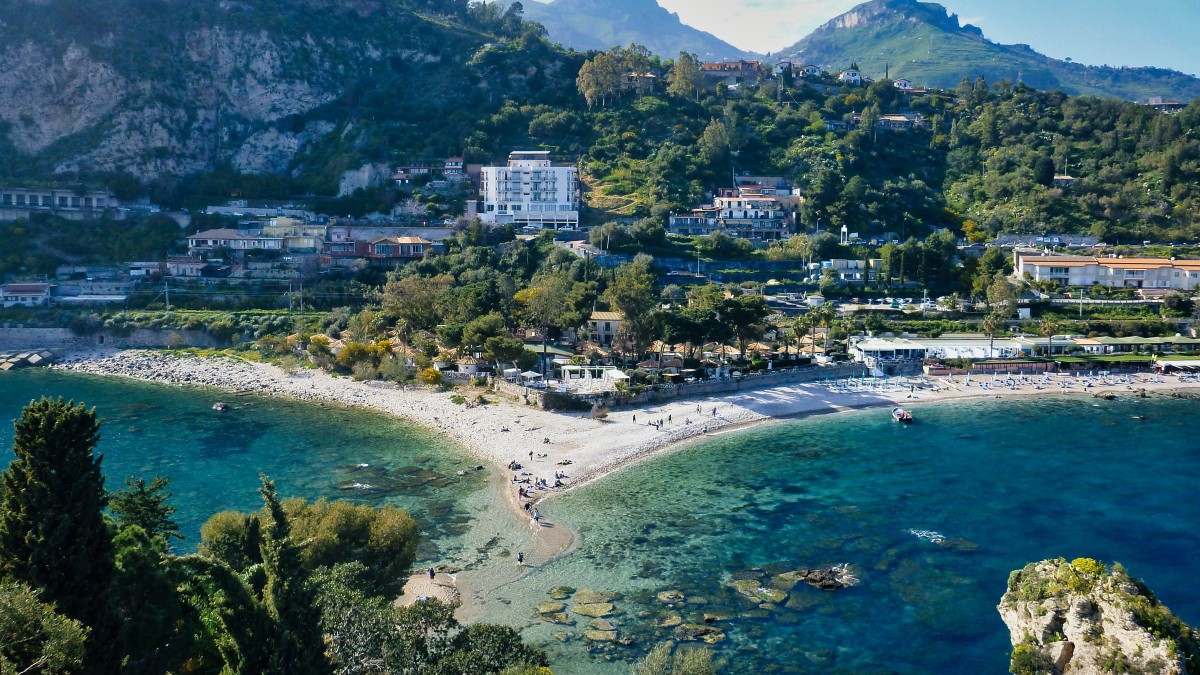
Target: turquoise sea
[999,483]
[213,458]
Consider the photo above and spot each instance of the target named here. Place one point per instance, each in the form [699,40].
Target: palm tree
[1047,326]
[991,324]
[802,326]
[825,316]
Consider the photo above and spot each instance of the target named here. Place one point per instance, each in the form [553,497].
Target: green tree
[686,78]
[413,300]
[33,637]
[633,293]
[715,144]
[383,540]
[745,314]
[145,505]
[153,634]
[52,531]
[298,647]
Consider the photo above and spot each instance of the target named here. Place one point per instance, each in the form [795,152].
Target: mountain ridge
[600,25]
[924,42]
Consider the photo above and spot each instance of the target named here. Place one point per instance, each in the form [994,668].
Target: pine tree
[52,531]
[299,647]
[145,505]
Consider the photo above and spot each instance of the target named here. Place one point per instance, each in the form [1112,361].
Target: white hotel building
[530,191]
[1160,273]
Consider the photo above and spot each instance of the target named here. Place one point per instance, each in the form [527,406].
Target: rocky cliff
[1079,617]
[155,88]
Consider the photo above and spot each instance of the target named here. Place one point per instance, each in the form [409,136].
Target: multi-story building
[530,191]
[234,240]
[1070,270]
[738,212]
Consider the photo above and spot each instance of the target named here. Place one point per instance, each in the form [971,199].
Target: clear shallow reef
[932,517]
[214,458]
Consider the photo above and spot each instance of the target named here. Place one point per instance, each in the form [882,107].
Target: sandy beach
[566,449]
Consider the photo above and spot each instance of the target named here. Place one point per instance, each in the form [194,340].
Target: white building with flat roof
[530,191]
[1161,273]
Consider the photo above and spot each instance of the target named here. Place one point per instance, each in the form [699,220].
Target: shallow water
[213,459]
[932,517]
[999,483]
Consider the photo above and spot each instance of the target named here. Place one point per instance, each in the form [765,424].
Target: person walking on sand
[635,419]
[537,517]
[531,455]
[520,558]
[432,574]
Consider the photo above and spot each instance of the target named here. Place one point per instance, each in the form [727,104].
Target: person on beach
[669,419]
[520,558]
[635,419]
[537,517]
[531,455]
[432,574]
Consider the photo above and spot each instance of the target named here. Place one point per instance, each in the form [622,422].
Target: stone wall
[63,340]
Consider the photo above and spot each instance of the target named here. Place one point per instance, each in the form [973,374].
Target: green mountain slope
[306,90]
[601,24]
[921,42]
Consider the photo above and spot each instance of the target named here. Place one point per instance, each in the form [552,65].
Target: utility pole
[167,290]
[301,295]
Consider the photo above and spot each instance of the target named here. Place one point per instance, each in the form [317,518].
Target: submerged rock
[690,632]
[594,609]
[601,635]
[668,620]
[827,579]
[600,624]
[753,590]
[1079,617]
[587,596]
[671,597]
[550,607]
[561,592]
[561,618]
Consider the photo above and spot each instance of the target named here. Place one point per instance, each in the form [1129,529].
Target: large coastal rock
[1081,618]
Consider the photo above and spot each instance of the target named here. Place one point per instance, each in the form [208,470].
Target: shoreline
[586,450]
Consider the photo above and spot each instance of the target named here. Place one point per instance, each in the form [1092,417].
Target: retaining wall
[64,340]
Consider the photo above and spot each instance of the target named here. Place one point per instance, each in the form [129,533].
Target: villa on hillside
[25,295]
[851,76]
[604,326]
[747,212]
[530,191]
[234,240]
[1149,273]
[902,84]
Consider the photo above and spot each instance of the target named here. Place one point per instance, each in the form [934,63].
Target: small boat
[901,415]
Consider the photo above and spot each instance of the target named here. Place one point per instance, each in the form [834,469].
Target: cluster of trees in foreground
[297,588]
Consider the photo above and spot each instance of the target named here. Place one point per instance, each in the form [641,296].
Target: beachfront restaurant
[872,350]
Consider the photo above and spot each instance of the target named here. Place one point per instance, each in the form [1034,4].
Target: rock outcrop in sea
[1081,618]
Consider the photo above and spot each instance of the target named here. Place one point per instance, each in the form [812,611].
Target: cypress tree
[299,648]
[53,536]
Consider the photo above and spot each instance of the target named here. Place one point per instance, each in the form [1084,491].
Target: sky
[1097,32]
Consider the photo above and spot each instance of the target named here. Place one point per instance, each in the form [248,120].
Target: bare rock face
[1081,618]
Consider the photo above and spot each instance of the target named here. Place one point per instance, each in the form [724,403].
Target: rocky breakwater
[15,360]
[1082,618]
